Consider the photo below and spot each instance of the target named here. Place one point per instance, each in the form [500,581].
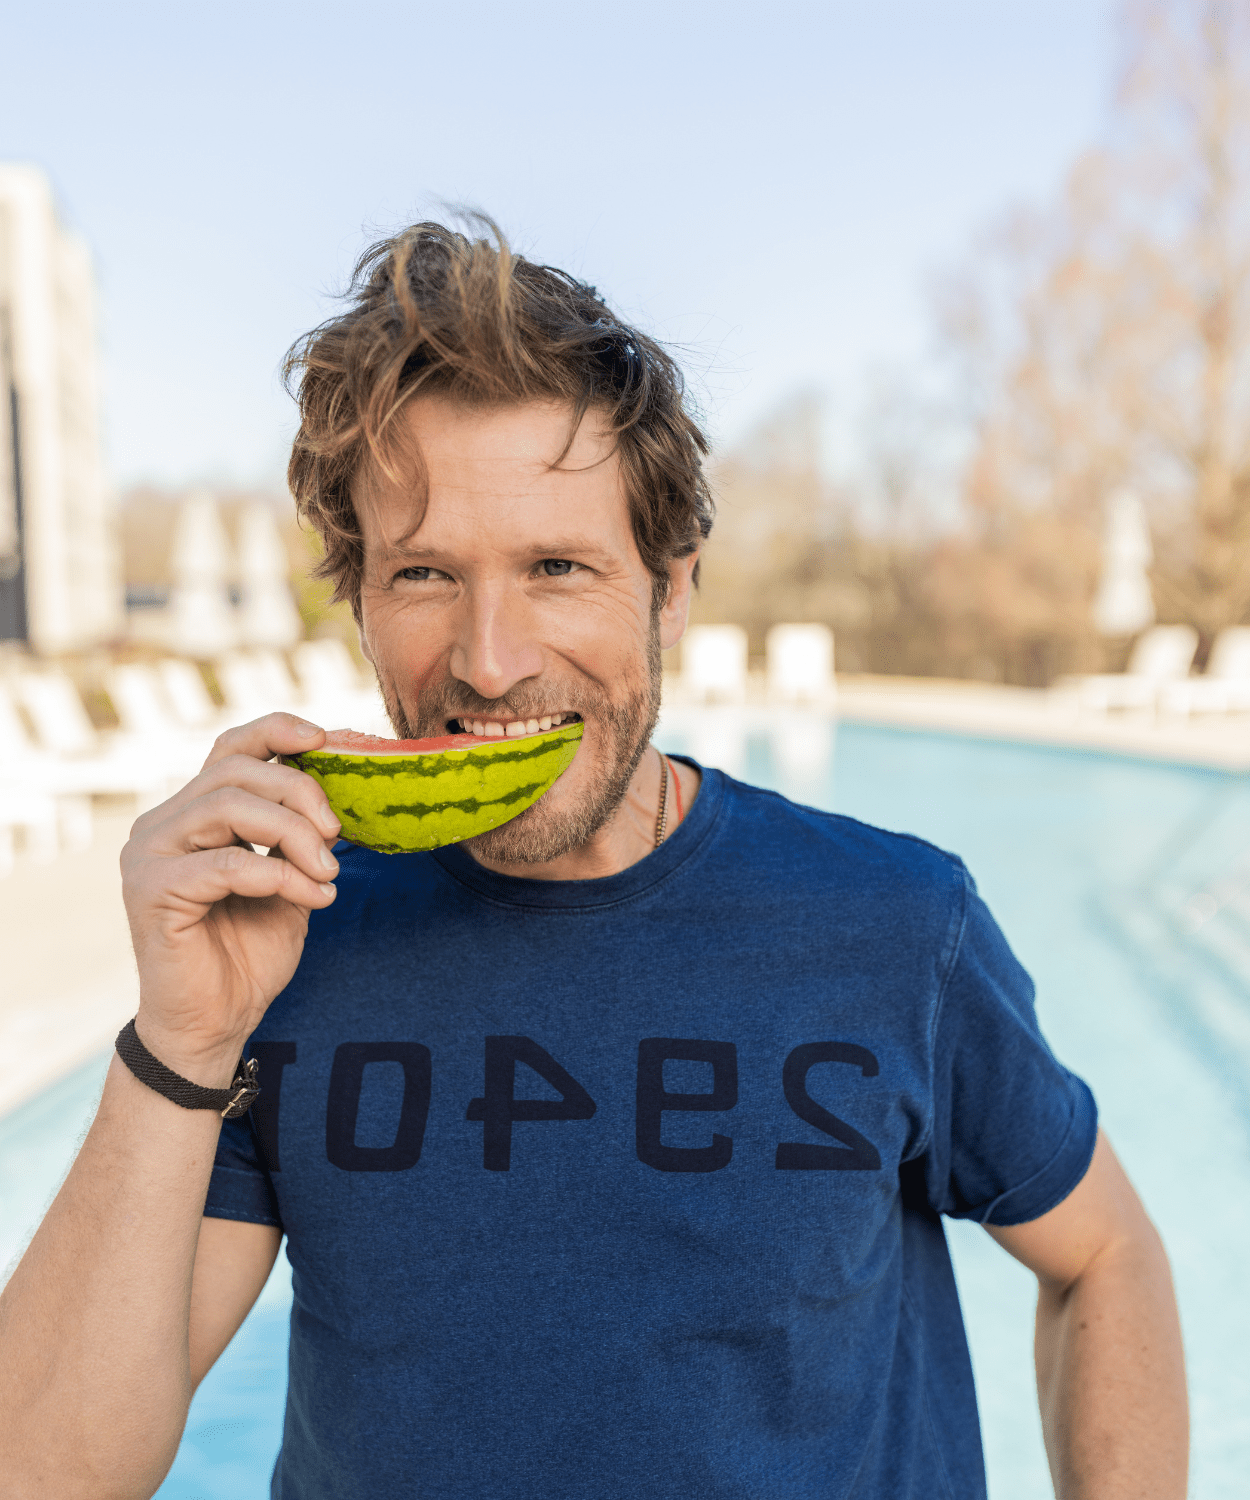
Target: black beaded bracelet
[229,1103]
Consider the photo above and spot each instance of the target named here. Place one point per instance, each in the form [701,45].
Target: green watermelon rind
[442,797]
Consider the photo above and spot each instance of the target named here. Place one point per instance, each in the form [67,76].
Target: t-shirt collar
[677,848]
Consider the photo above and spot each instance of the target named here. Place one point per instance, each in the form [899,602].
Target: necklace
[661,820]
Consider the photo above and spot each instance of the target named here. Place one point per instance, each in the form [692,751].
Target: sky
[771,190]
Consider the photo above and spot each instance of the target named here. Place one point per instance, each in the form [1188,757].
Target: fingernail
[328,860]
[329,890]
[305,730]
[329,821]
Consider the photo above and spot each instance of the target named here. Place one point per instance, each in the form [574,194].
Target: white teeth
[483,729]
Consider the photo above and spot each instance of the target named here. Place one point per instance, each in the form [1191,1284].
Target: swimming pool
[1124,887]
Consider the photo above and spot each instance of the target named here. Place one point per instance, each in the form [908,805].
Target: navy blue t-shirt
[632,1186]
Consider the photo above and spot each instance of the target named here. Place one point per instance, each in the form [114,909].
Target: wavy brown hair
[432,309]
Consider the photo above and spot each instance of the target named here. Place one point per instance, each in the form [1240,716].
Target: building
[207,572]
[60,568]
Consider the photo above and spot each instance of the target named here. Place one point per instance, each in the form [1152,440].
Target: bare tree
[1108,342]
[1100,342]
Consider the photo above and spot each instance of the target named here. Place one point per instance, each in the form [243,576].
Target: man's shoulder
[796,837]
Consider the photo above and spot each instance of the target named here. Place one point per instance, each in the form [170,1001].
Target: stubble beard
[622,729]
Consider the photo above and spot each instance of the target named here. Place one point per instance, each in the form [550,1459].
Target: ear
[676,611]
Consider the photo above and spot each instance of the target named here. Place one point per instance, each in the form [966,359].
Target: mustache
[452,699]
[516,704]
[511,706]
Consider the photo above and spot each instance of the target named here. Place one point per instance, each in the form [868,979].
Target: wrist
[210,1061]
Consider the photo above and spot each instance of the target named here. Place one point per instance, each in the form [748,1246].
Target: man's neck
[627,836]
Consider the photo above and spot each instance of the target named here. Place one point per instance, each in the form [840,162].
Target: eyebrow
[560,547]
[401,546]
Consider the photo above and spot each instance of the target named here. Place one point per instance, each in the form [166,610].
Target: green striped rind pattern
[400,804]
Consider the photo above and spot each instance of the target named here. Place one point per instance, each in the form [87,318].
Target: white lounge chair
[79,761]
[15,743]
[335,694]
[35,814]
[274,676]
[188,694]
[325,669]
[138,696]
[714,664]
[1162,655]
[252,686]
[40,796]
[800,664]
[1224,687]
[138,699]
[57,712]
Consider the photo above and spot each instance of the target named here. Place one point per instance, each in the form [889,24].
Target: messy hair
[433,310]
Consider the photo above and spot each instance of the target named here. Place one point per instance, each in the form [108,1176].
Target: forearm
[94,1374]
[95,1326]
[1111,1379]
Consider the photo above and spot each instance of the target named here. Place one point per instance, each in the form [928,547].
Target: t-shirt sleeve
[240,1186]
[1013,1130]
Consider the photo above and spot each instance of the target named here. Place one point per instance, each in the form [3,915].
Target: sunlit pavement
[69,975]
[1050,717]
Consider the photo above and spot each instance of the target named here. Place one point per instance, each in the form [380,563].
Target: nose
[496,643]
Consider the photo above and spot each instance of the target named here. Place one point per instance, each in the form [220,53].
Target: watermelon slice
[401,796]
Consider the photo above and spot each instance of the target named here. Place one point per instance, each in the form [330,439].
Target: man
[610,1149]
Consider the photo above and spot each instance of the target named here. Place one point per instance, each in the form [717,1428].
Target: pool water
[1124,887]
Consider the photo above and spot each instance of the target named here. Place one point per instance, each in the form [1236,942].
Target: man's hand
[1110,1367]
[217,928]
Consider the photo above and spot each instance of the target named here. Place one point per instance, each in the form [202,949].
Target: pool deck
[1043,717]
[70,976]
[1029,715]
[70,980]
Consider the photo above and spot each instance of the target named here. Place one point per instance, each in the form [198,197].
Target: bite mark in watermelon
[402,796]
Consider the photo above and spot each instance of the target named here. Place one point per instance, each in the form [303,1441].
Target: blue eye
[555,567]
[415,575]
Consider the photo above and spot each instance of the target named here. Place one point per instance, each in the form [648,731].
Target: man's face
[516,596]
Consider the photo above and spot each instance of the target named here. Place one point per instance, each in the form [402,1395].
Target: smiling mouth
[510,729]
